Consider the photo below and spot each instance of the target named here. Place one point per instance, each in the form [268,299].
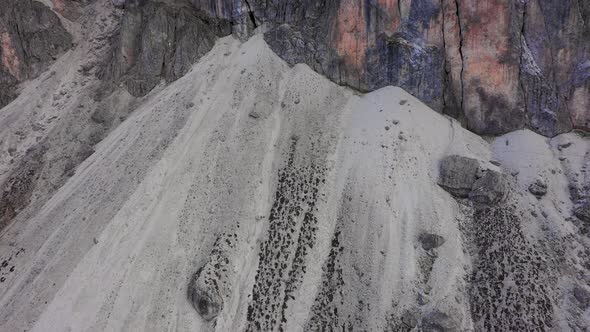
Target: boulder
[203,294]
[458,174]
[431,241]
[538,188]
[437,321]
[492,188]
[410,319]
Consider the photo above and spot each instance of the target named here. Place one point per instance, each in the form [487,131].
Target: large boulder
[538,188]
[203,293]
[492,188]
[430,241]
[437,321]
[458,174]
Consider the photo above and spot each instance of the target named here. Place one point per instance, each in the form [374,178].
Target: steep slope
[58,118]
[274,199]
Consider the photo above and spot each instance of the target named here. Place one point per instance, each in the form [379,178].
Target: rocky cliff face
[251,196]
[159,40]
[31,37]
[497,65]
[140,191]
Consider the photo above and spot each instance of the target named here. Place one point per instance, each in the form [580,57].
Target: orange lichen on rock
[452,45]
[490,73]
[66,8]
[486,47]
[10,59]
[350,34]
[393,15]
[487,43]
[59,6]
[433,34]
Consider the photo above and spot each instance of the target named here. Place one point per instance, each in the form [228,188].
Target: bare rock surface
[57,119]
[158,41]
[496,65]
[212,219]
[31,38]
[527,66]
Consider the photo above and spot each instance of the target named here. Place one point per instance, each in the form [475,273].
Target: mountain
[496,65]
[248,166]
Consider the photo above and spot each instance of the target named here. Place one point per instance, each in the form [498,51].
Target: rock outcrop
[159,41]
[31,37]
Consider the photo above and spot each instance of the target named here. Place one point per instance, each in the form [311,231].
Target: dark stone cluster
[291,234]
[8,266]
[511,286]
[324,312]
[19,186]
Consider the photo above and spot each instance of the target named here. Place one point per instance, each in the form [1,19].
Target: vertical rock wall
[159,40]
[31,36]
[497,65]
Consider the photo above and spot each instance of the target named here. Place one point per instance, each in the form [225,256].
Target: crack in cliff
[445,67]
[522,50]
[251,14]
[461,54]
[580,12]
